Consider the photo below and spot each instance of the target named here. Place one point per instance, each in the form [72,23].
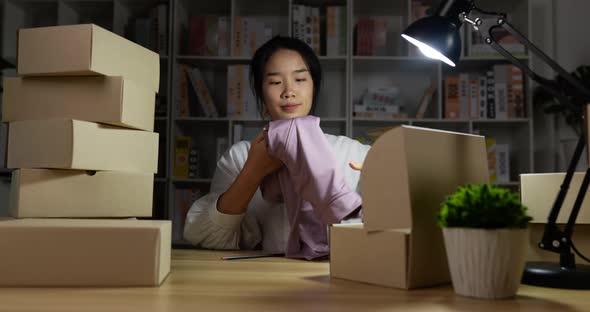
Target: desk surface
[200,281]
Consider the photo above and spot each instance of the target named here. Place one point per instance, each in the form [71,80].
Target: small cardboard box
[74,144]
[410,170]
[78,252]
[53,193]
[538,192]
[110,100]
[370,257]
[85,50]
[405,177]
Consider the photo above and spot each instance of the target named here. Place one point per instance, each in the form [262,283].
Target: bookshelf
[346,76]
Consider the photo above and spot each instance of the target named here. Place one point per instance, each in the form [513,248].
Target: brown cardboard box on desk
[109,100]
[85,50]
[75,144]
[538,192]
[74,252]
[51,193]
[405,176]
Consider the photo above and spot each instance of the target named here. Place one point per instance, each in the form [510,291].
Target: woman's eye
[274,82]
[301,79]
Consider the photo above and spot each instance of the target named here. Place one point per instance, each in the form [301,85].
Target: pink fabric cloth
[310,184]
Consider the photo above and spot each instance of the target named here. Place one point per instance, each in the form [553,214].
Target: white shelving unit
[345,77]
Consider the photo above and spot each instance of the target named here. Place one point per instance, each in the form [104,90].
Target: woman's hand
[356,165]
[259,161]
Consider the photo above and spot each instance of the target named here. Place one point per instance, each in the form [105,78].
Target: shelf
[202,119]
[332,119]
[332,58]
[425,120]
[490,58]
[393,58]
[183,180]
[514,120]
[213,58]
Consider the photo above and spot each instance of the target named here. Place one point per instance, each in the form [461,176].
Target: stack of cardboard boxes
[81,140]
[406,176]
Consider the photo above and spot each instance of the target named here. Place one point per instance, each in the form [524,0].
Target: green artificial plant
[571,103]
[483,206]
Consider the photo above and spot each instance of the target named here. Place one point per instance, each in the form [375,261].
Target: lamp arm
[554,239]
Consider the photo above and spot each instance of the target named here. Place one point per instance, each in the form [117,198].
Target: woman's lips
[290,108]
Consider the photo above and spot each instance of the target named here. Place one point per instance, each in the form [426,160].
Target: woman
[286,79]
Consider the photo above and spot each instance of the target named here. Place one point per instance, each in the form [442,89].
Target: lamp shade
[437,37]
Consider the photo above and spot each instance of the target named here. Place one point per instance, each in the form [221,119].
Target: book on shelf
[378,35]
[249,33]
[221,145]
[151,31]
[491,95]
[335,30]
[194,161]
[498,161]
[476,46]
[208,35]
[496,94]
[306,24]
[426,99]
[241,102]
[182,146]
[194,96]
[380,100]
[203,94]
[452,108]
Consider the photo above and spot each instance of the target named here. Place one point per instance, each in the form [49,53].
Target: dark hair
[264,53]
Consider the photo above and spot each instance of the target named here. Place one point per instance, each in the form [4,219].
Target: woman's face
[287,86]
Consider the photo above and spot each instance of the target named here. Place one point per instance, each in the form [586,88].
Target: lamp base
[550,274]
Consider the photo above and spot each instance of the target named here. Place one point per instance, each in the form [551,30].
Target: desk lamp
[437,37]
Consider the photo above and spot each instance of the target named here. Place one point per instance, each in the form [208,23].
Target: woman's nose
[288,92]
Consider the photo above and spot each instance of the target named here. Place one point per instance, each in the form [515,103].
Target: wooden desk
[199,281]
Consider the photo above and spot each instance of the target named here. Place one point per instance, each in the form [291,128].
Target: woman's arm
[259,164]
[219,219]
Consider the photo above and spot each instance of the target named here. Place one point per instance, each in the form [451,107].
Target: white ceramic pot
[486,263]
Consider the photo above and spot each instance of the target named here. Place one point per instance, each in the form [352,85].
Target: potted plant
[485,234]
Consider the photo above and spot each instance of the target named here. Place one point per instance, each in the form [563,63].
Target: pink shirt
[310,184]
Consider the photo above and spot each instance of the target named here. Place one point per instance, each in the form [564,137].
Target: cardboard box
[406,176]
[410,170]
[371,257]
[52,193]
[85,50]
[110,100]
[77,252]
[74,144]
[538,192]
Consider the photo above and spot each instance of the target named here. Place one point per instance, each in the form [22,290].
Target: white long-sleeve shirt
[264,225]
